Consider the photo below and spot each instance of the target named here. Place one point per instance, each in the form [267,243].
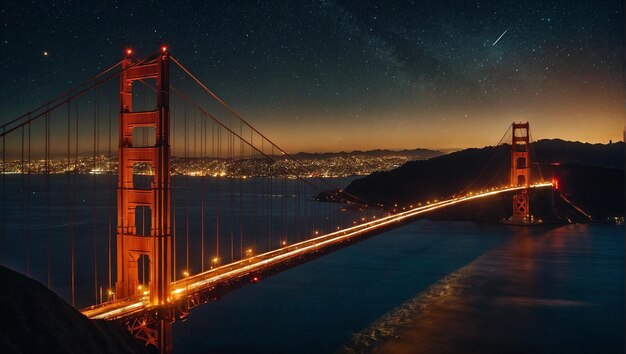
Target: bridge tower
[155,246]
[520,171]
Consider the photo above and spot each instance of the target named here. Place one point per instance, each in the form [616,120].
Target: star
[365,59]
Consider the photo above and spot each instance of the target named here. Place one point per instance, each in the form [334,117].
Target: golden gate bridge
[164,240]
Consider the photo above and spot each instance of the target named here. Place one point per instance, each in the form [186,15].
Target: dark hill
[435,178]
[603,155]
[599,190]
[591,175]
[36,320]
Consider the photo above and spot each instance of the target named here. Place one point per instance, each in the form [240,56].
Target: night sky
[345,75]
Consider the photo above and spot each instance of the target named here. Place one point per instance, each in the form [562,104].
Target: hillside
[36,320]
[591,175]
[601,155]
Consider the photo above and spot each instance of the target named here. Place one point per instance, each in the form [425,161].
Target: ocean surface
[43,228]
[427,287]
[432,287]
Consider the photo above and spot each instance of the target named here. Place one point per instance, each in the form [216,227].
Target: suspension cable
[64,96]
[70,97]
[534,154]
[271,158]
[484,169]
[236,114]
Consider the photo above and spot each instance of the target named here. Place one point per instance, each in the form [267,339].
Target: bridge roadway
[248,267]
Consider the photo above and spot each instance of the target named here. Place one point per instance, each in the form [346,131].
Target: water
[77,214]
[432,287]
[428,287]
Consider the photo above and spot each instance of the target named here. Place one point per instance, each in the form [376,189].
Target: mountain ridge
[579,167]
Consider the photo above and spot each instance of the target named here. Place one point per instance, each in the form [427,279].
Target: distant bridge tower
[520,171]
[132,245]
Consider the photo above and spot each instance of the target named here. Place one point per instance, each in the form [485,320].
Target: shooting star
[502,35]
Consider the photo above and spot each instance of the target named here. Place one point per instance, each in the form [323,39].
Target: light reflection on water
[544,291]
[444,287]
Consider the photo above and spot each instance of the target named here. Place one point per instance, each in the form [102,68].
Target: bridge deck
[248,267]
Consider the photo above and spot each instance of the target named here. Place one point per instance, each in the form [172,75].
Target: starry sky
[347,74]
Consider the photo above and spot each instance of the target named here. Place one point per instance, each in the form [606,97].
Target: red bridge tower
[520,172]
[153,247]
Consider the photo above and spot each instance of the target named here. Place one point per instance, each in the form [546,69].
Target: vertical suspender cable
[268,201]
[217,196]
[202,192]
[284,207]
[307,212]
[195,130]
[186,192]
[23,207]
[110,190]
[241,157]
[47,181]
[24,212]
[215,163]
[28,197]
[173,196]
[231,143]
[254,190]
[93,196]
[262,189]
[69,198]
[220,210]
[263,192]
[74,209]
[67,168]
[296,200]
[4,198]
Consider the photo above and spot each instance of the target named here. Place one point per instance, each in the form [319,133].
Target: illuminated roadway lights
[215,262]
[240,268]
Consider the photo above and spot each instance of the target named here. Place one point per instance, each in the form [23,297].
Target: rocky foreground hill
[36,320]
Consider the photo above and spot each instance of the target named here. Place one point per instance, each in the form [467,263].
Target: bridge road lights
[186,275]
[110,295]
